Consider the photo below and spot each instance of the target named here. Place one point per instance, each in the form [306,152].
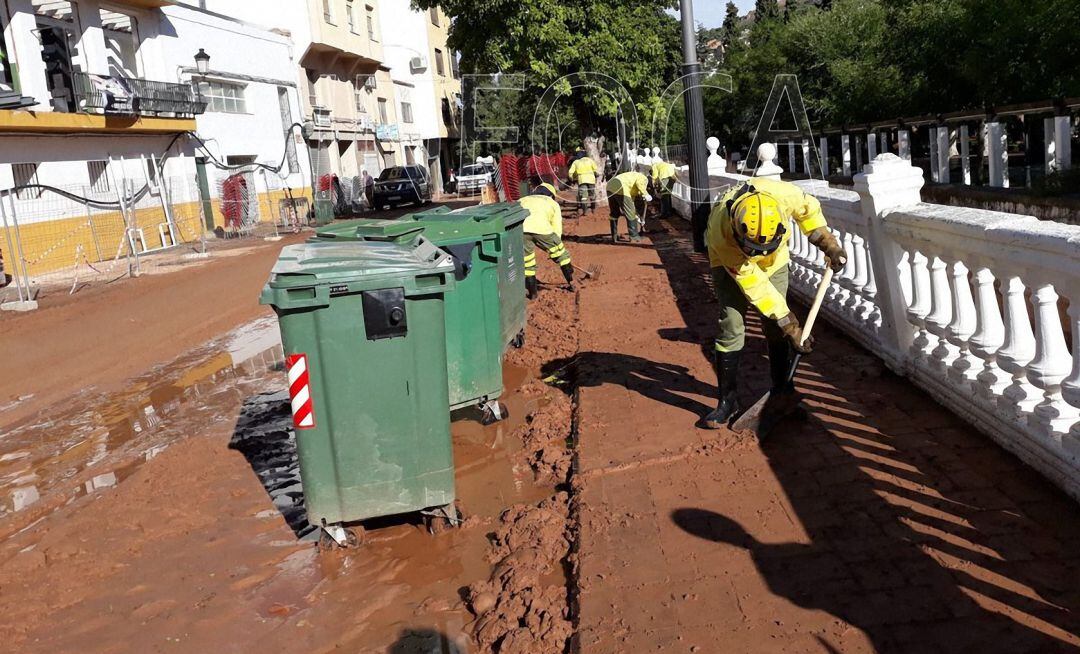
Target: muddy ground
[166,513]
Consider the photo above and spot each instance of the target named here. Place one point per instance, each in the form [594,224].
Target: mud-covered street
[165,513]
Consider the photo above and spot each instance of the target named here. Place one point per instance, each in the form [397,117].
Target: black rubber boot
[780,366]
[614,232]
[568,275]
[532,288]
[727,383]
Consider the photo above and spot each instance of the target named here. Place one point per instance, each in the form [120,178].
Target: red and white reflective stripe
[303,410]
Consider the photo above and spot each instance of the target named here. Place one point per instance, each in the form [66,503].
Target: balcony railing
[127,96]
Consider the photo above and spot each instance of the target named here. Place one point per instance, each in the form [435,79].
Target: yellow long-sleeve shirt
[752,273]
[545,215]
[583,171]
[663,170]
[630,183]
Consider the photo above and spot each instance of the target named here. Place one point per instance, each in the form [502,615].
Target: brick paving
[880,522]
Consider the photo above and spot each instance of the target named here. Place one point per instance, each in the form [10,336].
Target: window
[121,43]
[59,34]
[328,11]
[370,22]
[439,65]
[455,69]
[358,96]
[406,112]
[382,111]
[25,174]
[223,97]
[350,17]
[435,16]
[99,179]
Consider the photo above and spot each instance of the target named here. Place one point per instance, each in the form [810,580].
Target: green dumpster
[362,326]
[487,308]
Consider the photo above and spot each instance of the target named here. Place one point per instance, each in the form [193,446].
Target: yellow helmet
[757,221]
[545,189]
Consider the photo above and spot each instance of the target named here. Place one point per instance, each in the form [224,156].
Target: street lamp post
[695,132]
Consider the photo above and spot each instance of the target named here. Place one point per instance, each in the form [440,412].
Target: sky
[710,13]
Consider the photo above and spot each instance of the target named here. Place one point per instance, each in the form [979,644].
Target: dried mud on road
[168,516]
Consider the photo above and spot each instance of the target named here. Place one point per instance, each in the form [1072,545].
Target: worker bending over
[628,194]
[663,178]
[747,237]
[583,173]
[543,228]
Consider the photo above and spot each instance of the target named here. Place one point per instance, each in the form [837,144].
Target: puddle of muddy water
[94,441]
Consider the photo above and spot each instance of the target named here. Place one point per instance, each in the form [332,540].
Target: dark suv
[402,185]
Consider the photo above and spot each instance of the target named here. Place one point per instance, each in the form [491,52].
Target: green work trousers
[733,305]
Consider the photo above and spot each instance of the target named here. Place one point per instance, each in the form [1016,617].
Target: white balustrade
[966,303]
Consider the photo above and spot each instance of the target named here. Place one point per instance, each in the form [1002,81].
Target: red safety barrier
[510,177]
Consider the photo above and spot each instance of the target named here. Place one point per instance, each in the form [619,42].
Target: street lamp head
[202,62]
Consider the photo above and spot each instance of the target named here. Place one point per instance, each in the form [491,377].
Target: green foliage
[869,60]
[633,41]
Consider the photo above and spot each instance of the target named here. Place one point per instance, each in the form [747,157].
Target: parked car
[402,185]
[473,178]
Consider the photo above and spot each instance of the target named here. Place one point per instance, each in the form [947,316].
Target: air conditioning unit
[417,64]
[365,123]
[370,82]
[321,116]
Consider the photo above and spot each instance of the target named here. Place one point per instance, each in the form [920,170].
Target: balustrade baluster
[924,341]
[988,337]
[966,365]
[941,314]
[870,289]
[1017,351]
[1051,363]
[1070,388]
[857,258]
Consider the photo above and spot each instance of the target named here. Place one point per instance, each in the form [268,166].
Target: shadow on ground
[922,532]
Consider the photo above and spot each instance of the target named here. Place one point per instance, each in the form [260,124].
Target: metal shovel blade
[592,272]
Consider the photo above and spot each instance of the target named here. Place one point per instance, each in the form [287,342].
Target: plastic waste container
[486,310]
[363,330]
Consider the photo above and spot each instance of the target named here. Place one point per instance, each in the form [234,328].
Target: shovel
[767,411]
[593,272]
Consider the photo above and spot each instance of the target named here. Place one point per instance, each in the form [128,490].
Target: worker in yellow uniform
[583,173]
[747,238]
[543,228]
[628,194]
[663,178]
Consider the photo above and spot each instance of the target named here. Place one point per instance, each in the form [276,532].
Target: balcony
[100,94]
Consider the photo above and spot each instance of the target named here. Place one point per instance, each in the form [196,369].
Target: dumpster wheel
[492,412]
[444,518]
[337,537]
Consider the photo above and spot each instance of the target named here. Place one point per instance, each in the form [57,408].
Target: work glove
[789,324]
[824,240]
[648,198]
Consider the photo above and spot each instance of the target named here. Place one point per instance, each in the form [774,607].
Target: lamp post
[202,62]
[695,124]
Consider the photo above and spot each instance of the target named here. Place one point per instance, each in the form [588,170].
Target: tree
[766,9]
[636,44]
[730,29]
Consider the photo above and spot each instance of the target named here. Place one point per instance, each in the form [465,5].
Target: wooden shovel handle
[811,317]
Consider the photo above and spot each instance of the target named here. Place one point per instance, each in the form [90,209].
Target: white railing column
[944,149]
[1058,143]
[884,137]
[871,145]
[1051,363]
[988,337]
[845,153]
[858,153]
[889,183]
[997,154]
[941,314]
[921,296]
[935,167]
[824,156]
[964,367]
[1017,351]
[903,138]
[791,156]
[807,168]
[965,154]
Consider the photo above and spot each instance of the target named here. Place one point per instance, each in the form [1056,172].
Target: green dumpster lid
[439,224]
[377,262]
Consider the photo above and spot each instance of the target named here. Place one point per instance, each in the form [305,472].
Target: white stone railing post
[845,153]
[935,155]
[858,153]
[965,154]
[997,146]
[871,145]
[791,156]
[824,156]
[888,183]
[884,137]
[944,151]
[807,168]
[903,138]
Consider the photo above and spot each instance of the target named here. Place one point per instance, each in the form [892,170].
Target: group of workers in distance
[747,241]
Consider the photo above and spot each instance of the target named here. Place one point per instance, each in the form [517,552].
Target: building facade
[100,100]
